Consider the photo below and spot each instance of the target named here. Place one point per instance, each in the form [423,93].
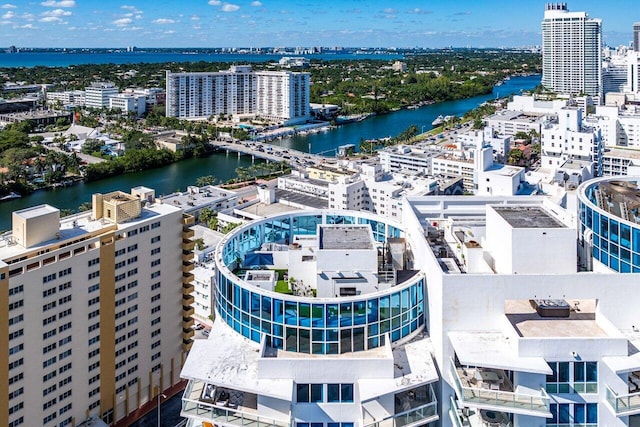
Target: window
[155,262]
[132,260]
[94,300]
[49,278]
[17,304]
[94,313]
[132,248]
[16,334]
[16,290]
[132,284]
[17,319]
[573,377]
[155,239]
[48,292]
[64,341]
[155,251]
[309,393]
[120,252]
[94,288]
[155,225]
[132,272]
[155,286]
[64,286]
[577,414]
[64,299]
[16,349]
[155,274]
[339,392]
[94,274]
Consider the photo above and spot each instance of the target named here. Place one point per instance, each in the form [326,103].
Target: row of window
[570,377]
[318,393]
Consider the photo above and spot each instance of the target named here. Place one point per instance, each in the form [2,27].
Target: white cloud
[256,4]
[162,21]
[229,7]
[29,27]
[169,32]
[61,3]
[50,19]
[10,14]
[57,12]
[195,18]
[215,2]
[123,22]
[8,6]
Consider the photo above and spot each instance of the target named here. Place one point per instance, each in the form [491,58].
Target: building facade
[571,51]
[97,309]
[98,93]
[239,92]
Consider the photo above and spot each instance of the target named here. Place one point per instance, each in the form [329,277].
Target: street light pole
[160,395]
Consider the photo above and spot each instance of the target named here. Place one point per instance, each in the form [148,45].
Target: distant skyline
[257,23]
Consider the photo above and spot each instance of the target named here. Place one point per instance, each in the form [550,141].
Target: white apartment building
[128,103]
[570,139]
[69,97]
[620,126]
[205,94]
[98,93]
[406,158]
[97,309]
[533,105]
[571,51]
[509,122]
[280,96]
[283,96]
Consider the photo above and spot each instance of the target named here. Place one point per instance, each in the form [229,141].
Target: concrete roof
[229,359]
[528,217]
[493,350]
[36,211]
[529,324]
[345,237]
[413,366]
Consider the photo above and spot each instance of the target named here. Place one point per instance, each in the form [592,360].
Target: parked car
[206,332]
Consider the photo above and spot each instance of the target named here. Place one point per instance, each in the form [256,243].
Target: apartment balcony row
[491,389]
[205,404]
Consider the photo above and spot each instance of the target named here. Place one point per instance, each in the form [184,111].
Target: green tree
[206,180]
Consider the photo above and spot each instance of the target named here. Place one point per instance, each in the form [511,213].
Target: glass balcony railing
[421,415]
[624,404]
[466,417]
[507,401]
[220,415]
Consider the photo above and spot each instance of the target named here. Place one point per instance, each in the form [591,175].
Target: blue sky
[253,23]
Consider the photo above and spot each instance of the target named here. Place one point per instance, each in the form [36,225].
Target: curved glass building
[609,210]
[346,307]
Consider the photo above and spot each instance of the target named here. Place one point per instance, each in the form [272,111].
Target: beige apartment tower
[96,309]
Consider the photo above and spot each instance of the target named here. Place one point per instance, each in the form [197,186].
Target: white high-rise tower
[571,51]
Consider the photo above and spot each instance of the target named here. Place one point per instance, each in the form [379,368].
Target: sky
[258,23]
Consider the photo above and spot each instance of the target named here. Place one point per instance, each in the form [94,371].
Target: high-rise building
[636,36]
[571,51]
[95,309]
[194,95]
[98,93]
[283,96]
[278,96]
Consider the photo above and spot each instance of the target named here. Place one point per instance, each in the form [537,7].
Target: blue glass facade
[616,242]
[314,325]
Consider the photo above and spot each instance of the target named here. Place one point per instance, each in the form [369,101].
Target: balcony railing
[473,418]
[223,416]
[624,404]
[500,400]
[421,415]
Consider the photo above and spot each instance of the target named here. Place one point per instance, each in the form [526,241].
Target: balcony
[187,333]
[492,390]
[188,245]
[187,267]
[186,344]
[187,278]
[188,219]
[413,407]
[624,404]
[467,417]
[187,300]
[187,233]
[187,311]
[187,288]
[187,257]
[187,322]
[237,409]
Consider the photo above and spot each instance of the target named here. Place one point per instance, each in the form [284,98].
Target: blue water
[394,123]
[62,59]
